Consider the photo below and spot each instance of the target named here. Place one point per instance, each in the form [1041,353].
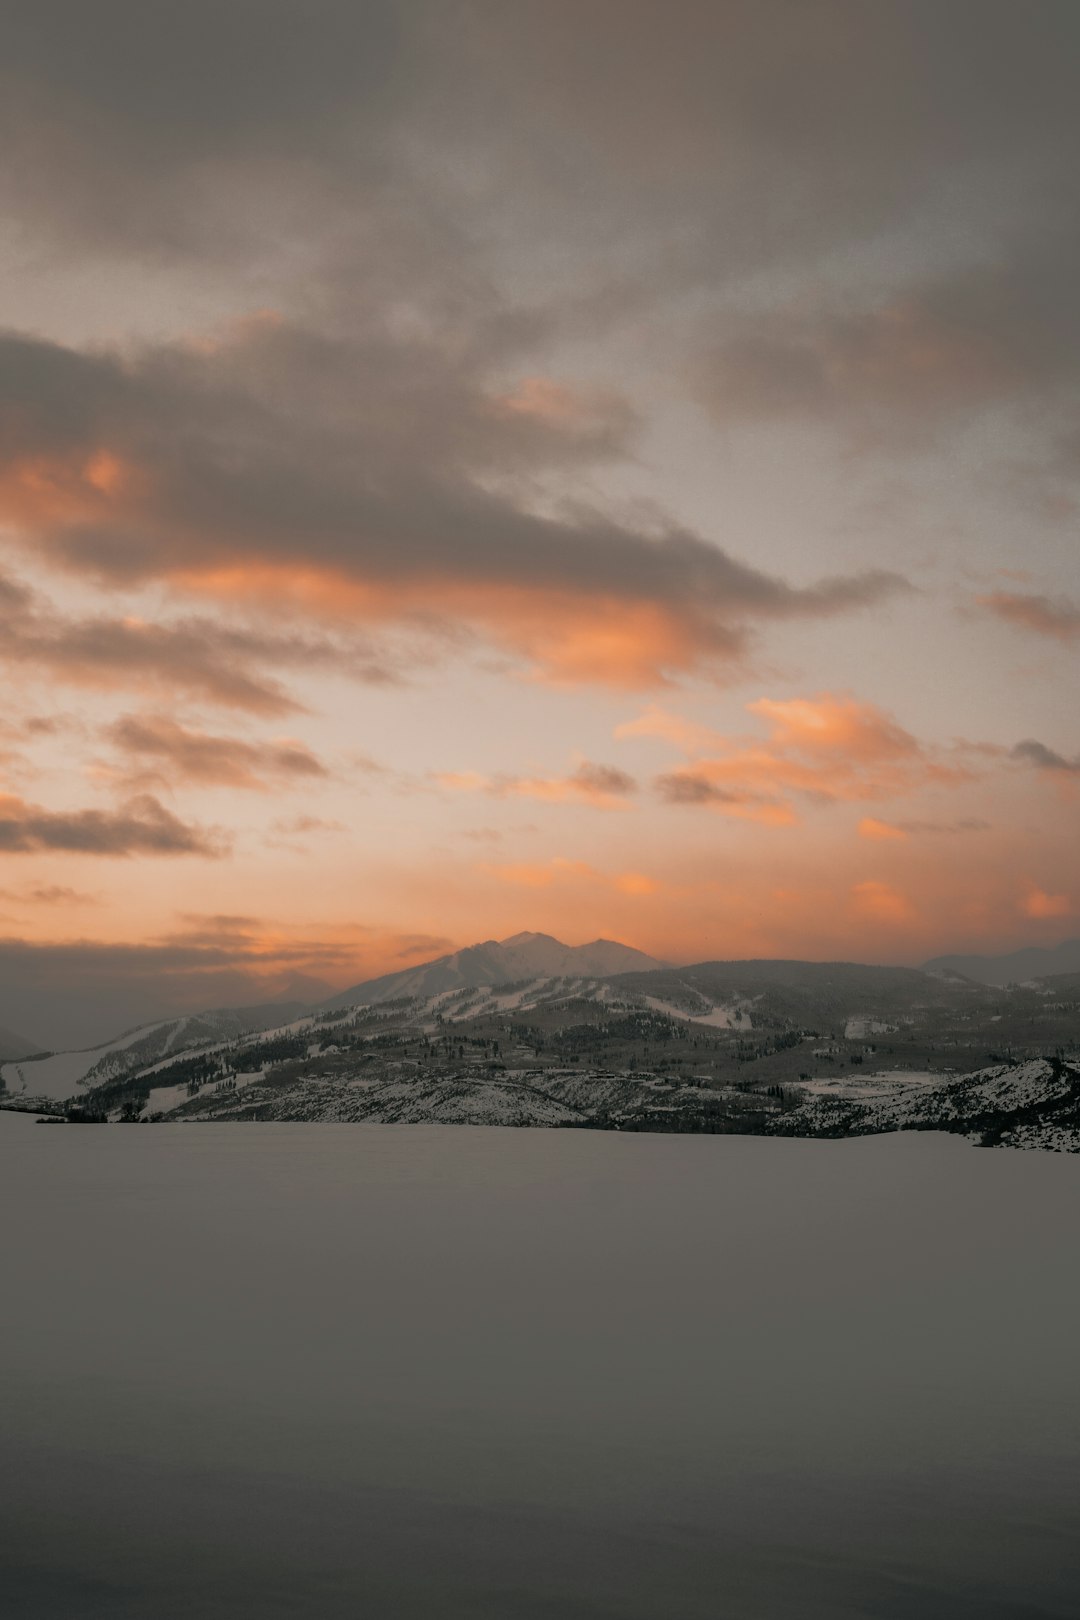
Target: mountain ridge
[495,962]
[531,980]
[1011,967]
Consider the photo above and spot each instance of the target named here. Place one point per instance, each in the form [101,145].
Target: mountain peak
[526,955]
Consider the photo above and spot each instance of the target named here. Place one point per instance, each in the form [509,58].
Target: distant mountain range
[529,1031]
[1014,967]
[756,1029]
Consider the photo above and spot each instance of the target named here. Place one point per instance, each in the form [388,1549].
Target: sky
[599,467]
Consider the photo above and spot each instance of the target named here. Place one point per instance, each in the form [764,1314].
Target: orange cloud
[870,827]
[375,481]
[824,749]
[567,637]
[1037,903]
[836,726]
[636,883]
[688,735]
[881,902]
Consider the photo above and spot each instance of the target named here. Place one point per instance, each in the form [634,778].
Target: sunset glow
[609,501]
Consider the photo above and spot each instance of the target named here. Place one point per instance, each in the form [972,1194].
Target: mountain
[528,1030]
[499,962]
[16,1046]
[1015,967]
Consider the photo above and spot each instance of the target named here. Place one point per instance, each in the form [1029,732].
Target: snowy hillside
[61,1075]
[1034,1104]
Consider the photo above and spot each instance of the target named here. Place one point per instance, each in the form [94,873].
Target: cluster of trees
[751,1051]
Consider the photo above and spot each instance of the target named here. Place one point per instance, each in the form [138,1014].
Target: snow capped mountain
[537,958]
[499,962]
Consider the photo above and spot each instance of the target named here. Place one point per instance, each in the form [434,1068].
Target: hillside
[818,993]
[1027,1105]
[59,1075]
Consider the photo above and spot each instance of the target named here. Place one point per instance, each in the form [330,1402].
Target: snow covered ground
[57,1077]
[1033,1104]
[163,1099]
[716,1017]
[860,1087]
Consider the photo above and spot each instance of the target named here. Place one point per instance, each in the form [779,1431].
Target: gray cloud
[963,344]
[49,894]
[198,655]
[435,196]
[751,121]
[136,126]
[685,787]
[381,464]
[1031,752]
[1059,619]
[606,779]
[467,185]
[141,827]
[198,756]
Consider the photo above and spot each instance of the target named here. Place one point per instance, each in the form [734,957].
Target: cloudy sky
[586,465]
